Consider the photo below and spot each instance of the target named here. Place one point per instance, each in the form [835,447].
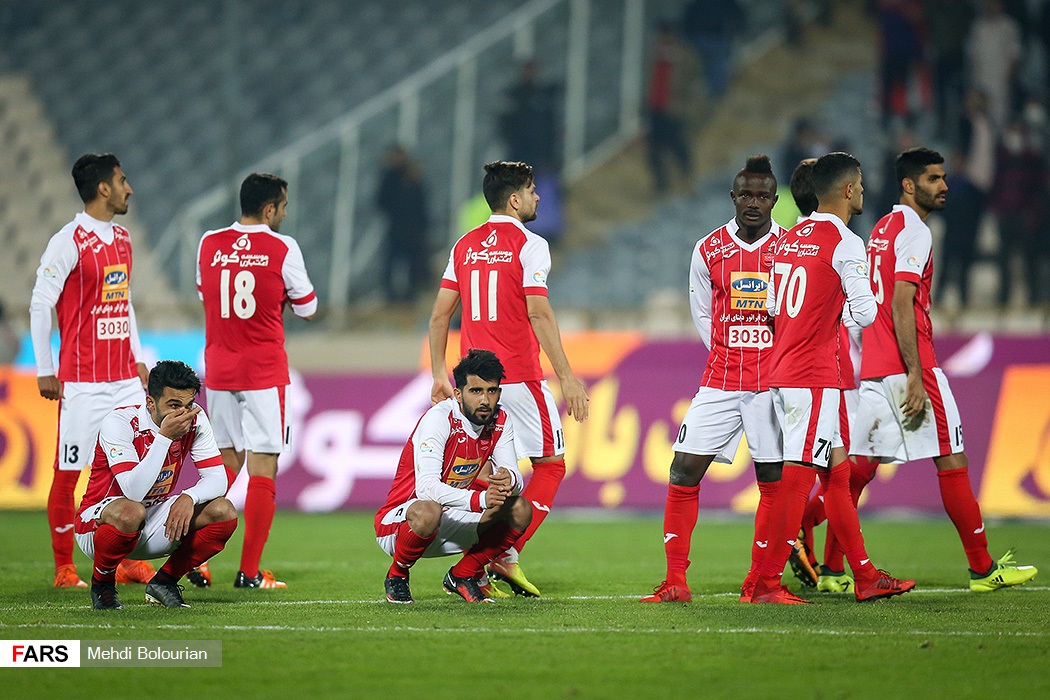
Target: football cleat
[397,589]
[263,579]
[502,570]
[747,588]
[885,586]
[134,571]
[1004,574]
[668,593]
[834,581]
[104,597]
[201,576]
[489,588]
[465,588]
[168,595]
[66,577]
[800,565]
[764,593]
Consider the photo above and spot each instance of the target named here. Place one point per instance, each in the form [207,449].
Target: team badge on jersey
[462,472]
[114,283]
[748,291]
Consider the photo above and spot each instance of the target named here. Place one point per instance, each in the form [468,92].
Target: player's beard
[474,418]
[928,200]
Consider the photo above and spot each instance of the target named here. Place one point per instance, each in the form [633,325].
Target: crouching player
[456,487]
[130,511]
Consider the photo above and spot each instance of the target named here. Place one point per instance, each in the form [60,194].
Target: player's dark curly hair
[174,374]
[758,165]
[502,179]
[90,170]
[479,363]
[260,189]
[831,169]
[802,187]
[913,162]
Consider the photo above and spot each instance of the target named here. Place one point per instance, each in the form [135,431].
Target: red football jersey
[123,444]
[899,249]
[494,267]
[727,297]
[817,266]
[245,276]
[86,277]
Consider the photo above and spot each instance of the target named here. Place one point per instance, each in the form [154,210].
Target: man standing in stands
[84,275]
[246,274]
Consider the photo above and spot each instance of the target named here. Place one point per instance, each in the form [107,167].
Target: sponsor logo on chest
[747,290]
[114,283]
[489,253]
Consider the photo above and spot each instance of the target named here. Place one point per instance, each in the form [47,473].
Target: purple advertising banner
[349,431]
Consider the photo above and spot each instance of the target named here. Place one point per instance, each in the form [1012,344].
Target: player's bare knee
[218,510]
[768,471]
[125,515]
[955,461]
[520,512]
[424,517]
[687,469]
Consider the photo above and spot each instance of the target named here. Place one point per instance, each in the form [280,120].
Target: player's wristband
[480,485]
[477,504]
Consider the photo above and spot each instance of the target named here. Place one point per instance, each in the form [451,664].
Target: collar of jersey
[251,228]
[507,219]
[102,229]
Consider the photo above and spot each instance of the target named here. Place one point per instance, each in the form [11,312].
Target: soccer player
[500,270]
[246,274]
[84,276]
[728,275]
[456,486]
[907,410]
[130,509]
[818,268]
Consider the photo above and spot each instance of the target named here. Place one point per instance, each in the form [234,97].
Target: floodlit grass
[331,634]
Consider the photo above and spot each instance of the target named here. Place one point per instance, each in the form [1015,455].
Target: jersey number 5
[791,287]
[243,301]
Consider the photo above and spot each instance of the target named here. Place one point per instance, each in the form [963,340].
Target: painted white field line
[540,630]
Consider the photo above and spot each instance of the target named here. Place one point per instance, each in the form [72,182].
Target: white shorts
[810,421]
[457,532]
[80,414]
[537,423]
[848,415]
[249,420]
[716,419]
[152,543]
[880,429]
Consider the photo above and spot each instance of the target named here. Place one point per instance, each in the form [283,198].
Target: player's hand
[576,400]
[441,390]
[914,397]
[178,422]
[177,525]
[143,375]
[501,478]
[495,496]
[50,387]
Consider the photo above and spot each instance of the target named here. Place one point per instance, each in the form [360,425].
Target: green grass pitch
[331,634]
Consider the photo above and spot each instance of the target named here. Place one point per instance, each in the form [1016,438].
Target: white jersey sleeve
[428,451]
[700,295]
[450,269]
[296,281]
[912,249]
[133,334]
[58,260]
[116,437]
[213,481]
[851,264]
[535,262]
[504,455]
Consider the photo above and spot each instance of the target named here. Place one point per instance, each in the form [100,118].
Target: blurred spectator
[529,125]
[804,141]
[9,340]
[671,97]
[994,52]
[889,193]
[709,26]
[402,199]
[901,58]
[949,23]
[550,218]
[1019,204]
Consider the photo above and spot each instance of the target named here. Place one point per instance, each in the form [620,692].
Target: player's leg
[118,528]
[74,450]
[498,529]
[405,533]
[212,526]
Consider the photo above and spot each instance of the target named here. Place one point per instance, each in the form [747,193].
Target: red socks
[540,491]
[408,548]
[842,515]
[198,547]
[862,471]
[680,513]
[259,505]
[111,548]
[785,519]
[767,492]
[965,513]
[60,512]
[493,542]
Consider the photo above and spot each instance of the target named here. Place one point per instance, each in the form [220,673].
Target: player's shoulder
[121,419]
[714,239]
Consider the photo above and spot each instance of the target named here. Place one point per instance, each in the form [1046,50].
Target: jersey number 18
[243,301]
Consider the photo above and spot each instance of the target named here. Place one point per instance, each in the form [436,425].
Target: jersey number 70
[791,285]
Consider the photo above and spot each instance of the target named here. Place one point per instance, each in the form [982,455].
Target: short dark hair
[502,179]
[92,169]
[758,165]
[174,374]
[802,188]
[830,169]
[913,163]
[260,189]
[479,363]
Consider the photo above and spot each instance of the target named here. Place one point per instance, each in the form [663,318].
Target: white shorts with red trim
[848,407]
[881,430]
[810,421]
[152,542]
[457,532]
[717,419]
[80,414]
[537,423]
[250,420]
